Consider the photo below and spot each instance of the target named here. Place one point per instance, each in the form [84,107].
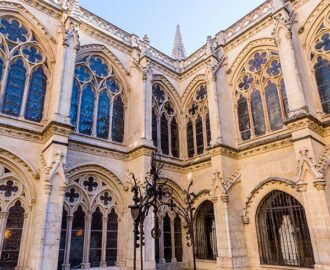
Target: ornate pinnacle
[178,52]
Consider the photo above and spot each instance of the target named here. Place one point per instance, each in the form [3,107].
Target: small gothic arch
[198,79]
[173,93]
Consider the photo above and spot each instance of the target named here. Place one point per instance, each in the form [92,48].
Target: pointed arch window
[260,95]
[96,238]
[319,55]
[198,115]
[95,73]
[24,68]
[77,238]
[167,238]
[112,238]
[165,134]
[13,236]
[178,239]
[61,251]
[283,234]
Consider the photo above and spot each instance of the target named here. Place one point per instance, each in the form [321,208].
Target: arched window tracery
[260,95]
[13,197]
[23,71]
[198,123]
[320,58]
[283,234]
[91,207]
[165,133]
[97,100]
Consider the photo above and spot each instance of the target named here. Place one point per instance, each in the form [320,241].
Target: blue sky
[158,18]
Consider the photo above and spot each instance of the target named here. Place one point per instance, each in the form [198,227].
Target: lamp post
[153,193]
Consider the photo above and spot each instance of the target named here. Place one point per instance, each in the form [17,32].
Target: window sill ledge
[283,267]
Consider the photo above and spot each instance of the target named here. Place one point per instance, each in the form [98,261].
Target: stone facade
[280,145]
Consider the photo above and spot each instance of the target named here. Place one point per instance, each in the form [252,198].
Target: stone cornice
[45,7]
[307,121]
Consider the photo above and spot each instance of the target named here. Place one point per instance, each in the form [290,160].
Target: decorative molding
[219,183]
[45,8]
[200,78]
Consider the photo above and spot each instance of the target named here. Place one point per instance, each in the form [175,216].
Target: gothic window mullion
[250,118]
[25,234]
[80,94]
[88,221]
[104,241]
[96,105]
[194,136]
[5,70]
[25,93]
[3,222]
[204,133]
[112,100]
[68,240]
[159,132]
[265,110]
[169,127]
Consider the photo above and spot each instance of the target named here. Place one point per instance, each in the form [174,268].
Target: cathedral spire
[178,52]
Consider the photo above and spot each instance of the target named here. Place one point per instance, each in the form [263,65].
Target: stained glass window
[167,238]
[94,72]
[243,118]
[86,110]
[27,63]
[103,116]
[163,125]
[273,107]
[36,95]
[154,128]
[62,240]
[199,135]
[257,113]
[96,239]
[175,138]
[118,120]
[112,236]
[77,238]
[178,239]
[74,103]
[190,139]
[322,76]
[14,89]
[13,234]
[208,129]
[164,135]
[260,79]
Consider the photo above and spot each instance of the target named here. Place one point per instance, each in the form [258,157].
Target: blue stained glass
[190,139]
[13,30]
[257,61]
[154,128]
[98,66]
[201,93]
[118,120]
[32,54]
[273,107]
[274,69]
[86,110]
[36,95]
[199,135]
[103,116]
[14,89]
[82,74]
[164,140]
[246,83]
[1,67]
[112,85]
[175,141]
[324,43]
[322,76]
[243,118]
[74,103]
[257,114]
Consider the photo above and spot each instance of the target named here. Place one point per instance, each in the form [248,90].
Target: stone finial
[209,46]
[73,7]
[178,52]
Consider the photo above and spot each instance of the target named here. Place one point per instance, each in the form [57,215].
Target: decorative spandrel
[96,73]
[22,61]
[261,68]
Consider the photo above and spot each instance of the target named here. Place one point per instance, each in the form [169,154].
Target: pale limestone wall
[47,157]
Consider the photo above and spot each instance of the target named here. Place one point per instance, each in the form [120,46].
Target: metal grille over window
[23,69]
[167,238]
[283,234]
[206,239]
[262,104]
[165,133]
[198,128]
[97,100]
